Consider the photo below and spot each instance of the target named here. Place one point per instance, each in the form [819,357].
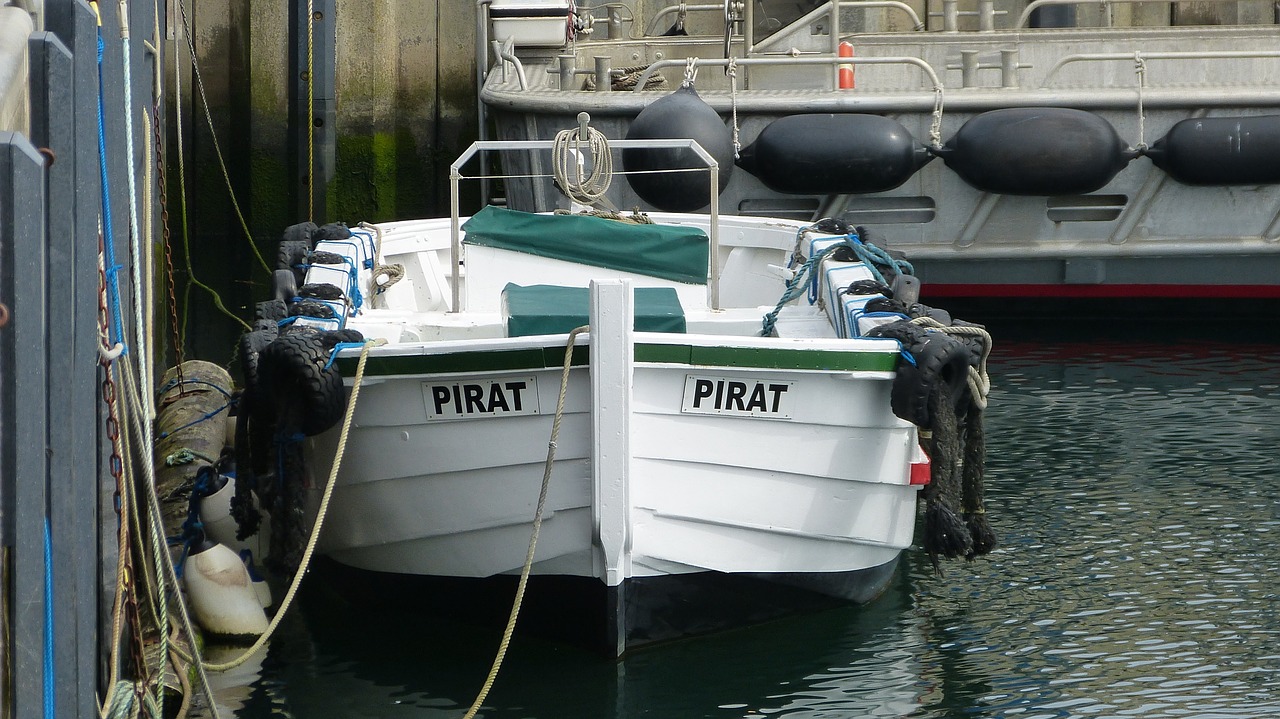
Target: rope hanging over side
[537,526]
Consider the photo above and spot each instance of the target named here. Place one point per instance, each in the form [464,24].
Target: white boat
[1106,152]
[691,465]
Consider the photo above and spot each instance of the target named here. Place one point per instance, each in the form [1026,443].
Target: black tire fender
[307,392]
[293,255]
[940,360]
[284,285]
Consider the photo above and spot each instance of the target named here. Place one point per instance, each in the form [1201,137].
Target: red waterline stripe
[1102,291]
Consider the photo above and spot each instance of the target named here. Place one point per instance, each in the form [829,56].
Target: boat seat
[555,309]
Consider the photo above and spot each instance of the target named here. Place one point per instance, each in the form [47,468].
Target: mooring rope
[537,526]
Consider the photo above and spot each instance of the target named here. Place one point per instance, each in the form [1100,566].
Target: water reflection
[1135,491]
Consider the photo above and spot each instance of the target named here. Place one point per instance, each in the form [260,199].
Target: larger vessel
[1046,149]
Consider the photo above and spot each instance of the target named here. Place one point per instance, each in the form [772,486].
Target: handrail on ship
[455,176]
[1106,17]
[1139,55]
[802,60]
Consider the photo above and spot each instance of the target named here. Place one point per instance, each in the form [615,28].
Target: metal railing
[456,176]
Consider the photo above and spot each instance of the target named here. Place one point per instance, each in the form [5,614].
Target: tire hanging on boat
[934,394]
[821,154]
[1036,151]
[682,114]
[291,392]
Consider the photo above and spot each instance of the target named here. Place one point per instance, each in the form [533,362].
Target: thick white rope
[567,149]
[135,240]
[978,380]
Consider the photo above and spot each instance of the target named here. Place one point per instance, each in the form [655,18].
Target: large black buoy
[1221,151]
[1036,151]
[833,154]
[682,114]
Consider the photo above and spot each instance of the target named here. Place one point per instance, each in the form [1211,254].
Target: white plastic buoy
[221,527]
[220,592]
[260,586]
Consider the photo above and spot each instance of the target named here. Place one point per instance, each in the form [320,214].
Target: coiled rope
[537,526]
[567,149]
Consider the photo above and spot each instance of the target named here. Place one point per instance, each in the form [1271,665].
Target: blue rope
[795,286]
[868,253]
[338,348]
[48,622]
[872,256]
[175,382]
[207,416]
[108,236]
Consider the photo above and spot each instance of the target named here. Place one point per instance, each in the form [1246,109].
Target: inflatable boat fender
[1221,151]
[1036,151]
[682,114]
[221,593]
[845,153]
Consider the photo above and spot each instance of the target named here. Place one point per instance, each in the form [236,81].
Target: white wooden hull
[825,491]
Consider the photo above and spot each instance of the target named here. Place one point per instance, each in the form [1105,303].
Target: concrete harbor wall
[394,98]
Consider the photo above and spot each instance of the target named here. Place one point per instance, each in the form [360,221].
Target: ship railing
[709,165]
[797,60]
[1139,57]
[1106,6]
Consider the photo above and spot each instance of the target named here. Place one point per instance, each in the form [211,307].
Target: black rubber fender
[311,308]
[284,285]
[274,310]
[306,390]
[293,255]
[332,338]
[940,360]
[304,231]
[331,231]
[321,291]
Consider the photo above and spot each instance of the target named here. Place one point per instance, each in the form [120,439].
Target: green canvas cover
[671,252]
[553,309]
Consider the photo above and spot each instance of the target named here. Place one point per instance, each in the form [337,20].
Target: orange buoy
[846,69]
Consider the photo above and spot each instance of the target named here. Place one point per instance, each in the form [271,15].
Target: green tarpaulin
[671,252]
[552,309]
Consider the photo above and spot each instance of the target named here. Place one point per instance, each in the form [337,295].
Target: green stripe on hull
[536,358]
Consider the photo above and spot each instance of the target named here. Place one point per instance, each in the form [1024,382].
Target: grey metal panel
[22,276]
[72,332]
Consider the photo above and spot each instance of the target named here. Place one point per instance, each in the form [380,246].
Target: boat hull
[719,463]
[583,612]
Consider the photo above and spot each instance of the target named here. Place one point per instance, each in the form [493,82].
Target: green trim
[536,358]
[492,361]
[768,358]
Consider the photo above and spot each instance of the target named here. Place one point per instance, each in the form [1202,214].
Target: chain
[116,467]
[168,247]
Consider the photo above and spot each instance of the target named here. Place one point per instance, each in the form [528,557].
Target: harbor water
[1135,489]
